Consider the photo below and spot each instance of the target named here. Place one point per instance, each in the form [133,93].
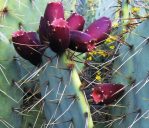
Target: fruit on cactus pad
[106,93]
[54,10]
[76,22]
[99,29]
[81,42]
[43,34]
[28,46]
[56,31]
[53,28]
[61,34]
[58,35]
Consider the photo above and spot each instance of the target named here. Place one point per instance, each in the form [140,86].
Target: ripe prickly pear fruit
[76,22]
[43,34]
[58,35]
[28,46]
[81,42]
[99,29]
[54,10]
[106,93]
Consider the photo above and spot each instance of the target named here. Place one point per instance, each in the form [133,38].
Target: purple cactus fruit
[54,10]
[106,93]
[99,29]
[28,46]
[58,32]
[43,35]
[76,22]
[81,42]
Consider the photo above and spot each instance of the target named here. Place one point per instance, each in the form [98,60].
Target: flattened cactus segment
[10,93]
[65,103]
[131,69]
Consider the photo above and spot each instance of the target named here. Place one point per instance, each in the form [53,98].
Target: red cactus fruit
[28,46]
[99,29]
[76,22]
[54,10]
[58,32]
[81,42]
[106,93]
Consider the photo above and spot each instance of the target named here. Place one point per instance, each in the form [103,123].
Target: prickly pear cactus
[52,45]
[64,101]
[65,105]
[29,42]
